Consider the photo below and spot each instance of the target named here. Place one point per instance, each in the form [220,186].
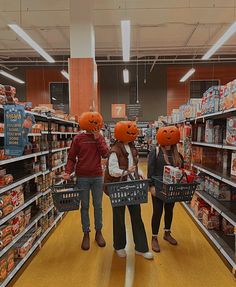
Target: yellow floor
[62,263]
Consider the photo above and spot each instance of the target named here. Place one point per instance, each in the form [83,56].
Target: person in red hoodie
[84,156]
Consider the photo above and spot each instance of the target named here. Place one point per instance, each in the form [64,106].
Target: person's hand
[153,190]
[132,169]
[66,176]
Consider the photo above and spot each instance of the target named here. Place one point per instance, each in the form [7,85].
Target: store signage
[118,111]
[14,140]
[134,110]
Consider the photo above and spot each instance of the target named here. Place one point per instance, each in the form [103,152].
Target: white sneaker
[146,255]
[121,253]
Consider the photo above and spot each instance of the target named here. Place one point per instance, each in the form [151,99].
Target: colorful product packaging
[209,131]
[231,131]
[210,218]
[171,174]
[233,164]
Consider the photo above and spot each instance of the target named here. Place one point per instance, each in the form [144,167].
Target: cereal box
[233,164]
[231,131]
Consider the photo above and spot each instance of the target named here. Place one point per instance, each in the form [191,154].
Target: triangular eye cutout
[129,126]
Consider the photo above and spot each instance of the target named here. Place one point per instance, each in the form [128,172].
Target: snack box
[227,228]
[198,208]
[210,218]
[228,99]
[171,174]
[233,92]
[209,131]
[231,131]
[233,164]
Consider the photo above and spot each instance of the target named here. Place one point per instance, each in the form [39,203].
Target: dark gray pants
[119,232]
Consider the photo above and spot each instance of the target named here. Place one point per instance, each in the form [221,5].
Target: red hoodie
[85,155]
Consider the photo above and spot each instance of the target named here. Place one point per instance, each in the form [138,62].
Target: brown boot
[169,238]
[155,244]
[99,239]
[86,241]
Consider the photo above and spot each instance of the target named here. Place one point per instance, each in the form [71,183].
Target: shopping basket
[175,192]
[128,192]
[66,197]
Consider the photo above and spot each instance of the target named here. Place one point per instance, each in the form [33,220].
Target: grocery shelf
[59,166]
[215,237]
[226,179]
[60,149]
[220,206]
[60,133]
[36,244]
[15,159]
[19,236]
[19,182]
[221,146]
[30,135]
[49,209]
[17,210]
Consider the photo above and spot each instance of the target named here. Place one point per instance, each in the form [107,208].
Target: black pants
[119,232]
[158,206]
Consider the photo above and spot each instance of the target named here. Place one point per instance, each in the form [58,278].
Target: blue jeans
[95,184]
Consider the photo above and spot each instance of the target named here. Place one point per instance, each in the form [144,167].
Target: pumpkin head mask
[126,131]
[91,121]
[168,135]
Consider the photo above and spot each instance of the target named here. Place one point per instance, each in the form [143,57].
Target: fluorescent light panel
[125,35]
[187,75]
[126,76]
[19,31]
[65,74]
[220,42]
[5,74]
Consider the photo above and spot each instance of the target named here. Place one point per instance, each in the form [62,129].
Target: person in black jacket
[159,157]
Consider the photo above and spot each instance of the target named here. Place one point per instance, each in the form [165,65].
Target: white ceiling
[159,27]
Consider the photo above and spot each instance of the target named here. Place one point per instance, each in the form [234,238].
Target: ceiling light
[126,76]
[19,31]
[220,42]
[65,74]
[187,75]
[125,35]
[11,77]
[54,99]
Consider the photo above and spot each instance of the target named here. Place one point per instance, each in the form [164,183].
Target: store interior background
[159,89]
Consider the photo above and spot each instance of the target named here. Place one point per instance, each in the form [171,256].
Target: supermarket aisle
[62,263]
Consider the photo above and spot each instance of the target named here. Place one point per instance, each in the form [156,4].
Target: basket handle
[184,175]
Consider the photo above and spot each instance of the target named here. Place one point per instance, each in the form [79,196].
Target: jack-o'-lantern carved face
[126,131]
[91,121]
[168,136]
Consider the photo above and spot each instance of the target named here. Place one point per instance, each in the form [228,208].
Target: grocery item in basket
[3,269]
[211,218]
[10,260]
[5,230]
[233,164]
[231,131]
[172,174]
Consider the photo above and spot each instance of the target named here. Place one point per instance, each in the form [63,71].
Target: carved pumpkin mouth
[131,134]
[93,122]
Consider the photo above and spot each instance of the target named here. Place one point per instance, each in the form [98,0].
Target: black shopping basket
[128,192]
[175,192]
[66,197]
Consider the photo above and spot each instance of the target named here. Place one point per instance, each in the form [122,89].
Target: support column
[82,66]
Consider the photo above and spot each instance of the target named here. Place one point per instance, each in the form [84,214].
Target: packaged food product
[17,195]
[233,164]
[198,208]
[171,174]
[218,135]
[228,99]
[209,131]
[227,228]
[27,216]
[10,260]
[3,269]
[5,200]
[210,218]
[23,246]
[8,178]
[6,210]
[17,223]
[5,230]
[6,240]
[233,92]
[231,131]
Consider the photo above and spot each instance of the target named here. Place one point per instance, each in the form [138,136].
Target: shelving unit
[37,196]
[225,244]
